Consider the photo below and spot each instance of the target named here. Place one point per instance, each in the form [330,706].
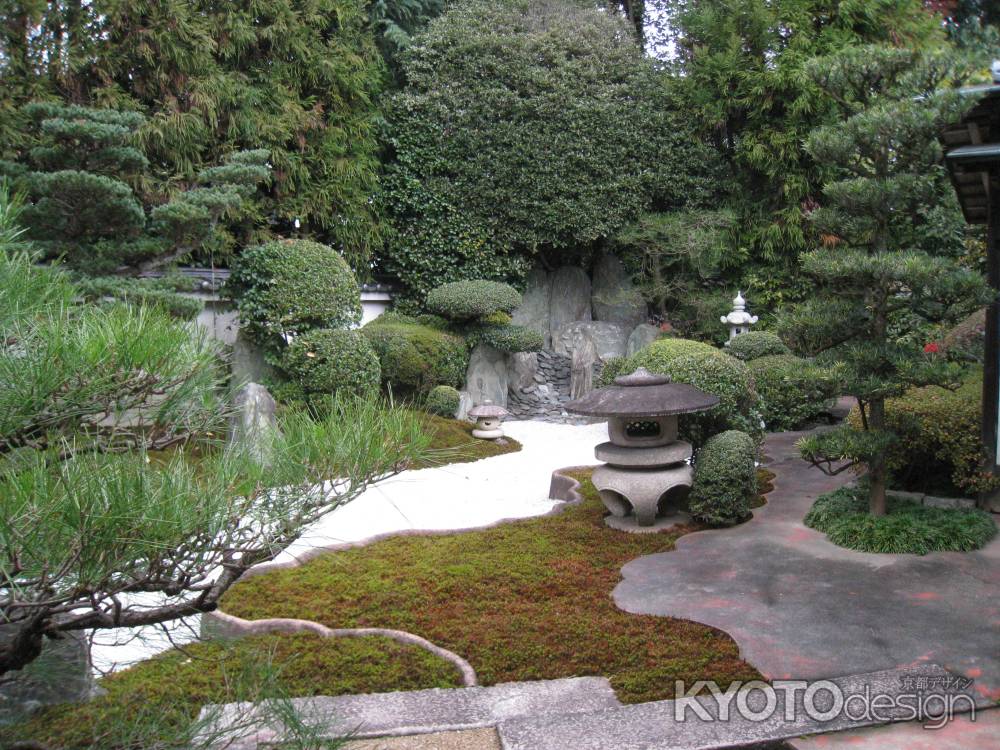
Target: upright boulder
[608,339]
[570,300]
[253,425]
[581,380]
[642,336]
[533,312]
[486,378]
[614,298]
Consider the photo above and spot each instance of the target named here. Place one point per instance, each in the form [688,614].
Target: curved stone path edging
[230,626]
[800,607]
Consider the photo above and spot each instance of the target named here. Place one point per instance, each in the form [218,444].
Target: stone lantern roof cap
[488,409]
[643,394]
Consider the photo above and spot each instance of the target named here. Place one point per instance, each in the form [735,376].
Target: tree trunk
[877,470]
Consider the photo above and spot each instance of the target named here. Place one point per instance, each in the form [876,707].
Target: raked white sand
[457,496]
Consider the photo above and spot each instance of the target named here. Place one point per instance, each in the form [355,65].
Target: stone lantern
[644,461]
[738,320]
[488,417]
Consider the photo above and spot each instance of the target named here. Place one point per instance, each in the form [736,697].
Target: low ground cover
[452,443]
[907,527]
[526,600]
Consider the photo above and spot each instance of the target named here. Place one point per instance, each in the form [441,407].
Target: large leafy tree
[526,131]
[879,275]
[744,82]
[296,77]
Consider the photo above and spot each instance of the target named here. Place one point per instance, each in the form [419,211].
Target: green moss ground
[452,443]
[172,687]
[528,600]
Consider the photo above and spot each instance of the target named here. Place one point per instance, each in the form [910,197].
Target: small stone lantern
[488,417]
[739,320]
[645,462]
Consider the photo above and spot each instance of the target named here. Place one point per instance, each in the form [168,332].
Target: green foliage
[472,299]
[755,344]
[79,170]
[293,286]
[526,128]
[707,368]
[793,391]
[325,361]
[442,401]
[511,338]
[725,479]
[939,448]
[297,79]
[415,358]
[140,292]
[907,527]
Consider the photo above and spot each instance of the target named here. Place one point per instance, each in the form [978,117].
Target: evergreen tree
[878,275]
[78,176]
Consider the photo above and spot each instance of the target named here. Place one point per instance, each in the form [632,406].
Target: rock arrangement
[543,396]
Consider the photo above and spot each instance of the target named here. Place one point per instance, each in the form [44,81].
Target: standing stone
[247,361]
[253,426]
[486,379]
[464,404]
[581,379]
[641,337]
[608,339]
[615,298]
[523,370]
[533,312]
[570,298]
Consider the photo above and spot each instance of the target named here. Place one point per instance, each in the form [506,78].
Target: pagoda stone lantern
[488,417]
[644,460]
[738,320]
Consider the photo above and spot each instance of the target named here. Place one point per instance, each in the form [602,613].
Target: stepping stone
[656,726]
[410,712]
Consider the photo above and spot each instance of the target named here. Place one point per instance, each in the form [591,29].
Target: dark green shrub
[755,344]
[149,292]
[792,391]
[725,479]
[473,299]
[442,401]
[511,338]
[906,528]
[292,286]
[938,448]
[707,368]
[415,358]
[328,360]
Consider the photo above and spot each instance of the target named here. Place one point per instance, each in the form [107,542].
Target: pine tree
[878,275]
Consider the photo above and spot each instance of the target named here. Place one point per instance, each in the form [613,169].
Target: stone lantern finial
[738,320]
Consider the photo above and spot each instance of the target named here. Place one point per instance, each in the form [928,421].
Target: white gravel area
[457,496]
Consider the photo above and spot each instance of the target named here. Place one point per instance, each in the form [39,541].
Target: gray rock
[614,298]
[581,381]
[955,503]
[464,404]
[486,378]
[247,362]
[253,426]
[642,336]
[570,298]
[61,674]
[533,312]
[523,367]
[609,339]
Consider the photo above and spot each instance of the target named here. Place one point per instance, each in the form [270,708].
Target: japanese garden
[499,375]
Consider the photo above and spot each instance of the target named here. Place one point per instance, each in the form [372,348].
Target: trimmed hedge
[756,344]
[906,528]
[511,338]
[415,358]
[725,479]
[443,401]
[707,368]
[292,286]
[792,391]
[473,299]
[325,361]
[939,450]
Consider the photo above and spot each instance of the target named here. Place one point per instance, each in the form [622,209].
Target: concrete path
[800,607]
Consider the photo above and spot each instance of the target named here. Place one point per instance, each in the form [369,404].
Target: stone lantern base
[639,491]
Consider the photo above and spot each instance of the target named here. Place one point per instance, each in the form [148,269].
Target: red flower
[932,348]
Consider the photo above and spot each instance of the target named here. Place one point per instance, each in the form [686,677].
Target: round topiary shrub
[792,391]
[415,358]
[328,360]
[292,286]
[906,528]
[469,300]
[511,338]
[755,344]
[725,479]
[707,368]
[443,401]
